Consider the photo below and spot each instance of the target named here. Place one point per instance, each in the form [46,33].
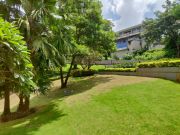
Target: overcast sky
[126,13]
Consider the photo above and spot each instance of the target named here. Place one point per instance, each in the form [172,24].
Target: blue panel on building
[121,44]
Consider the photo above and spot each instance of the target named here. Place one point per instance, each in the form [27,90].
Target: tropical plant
[33,24]
[15,65]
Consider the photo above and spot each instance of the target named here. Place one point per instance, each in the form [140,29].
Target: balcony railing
[129,35]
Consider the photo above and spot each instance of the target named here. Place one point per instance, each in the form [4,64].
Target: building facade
[129,40]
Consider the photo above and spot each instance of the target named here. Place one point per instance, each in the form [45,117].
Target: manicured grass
[146,108]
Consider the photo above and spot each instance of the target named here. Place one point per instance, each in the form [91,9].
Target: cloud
[126,13]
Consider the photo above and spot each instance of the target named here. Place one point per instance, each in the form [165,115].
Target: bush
[152,55]
[129,64]
[82,73]
[118,70]
[128,56]
[155,54]
[163,63]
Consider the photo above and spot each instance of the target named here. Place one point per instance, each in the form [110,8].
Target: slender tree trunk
[69,71]
[6,101]
[21,103]
[106,57]
[7,87]
[27,103]
[89,66]
[62,77]
[178,51]
[75,66]
[89,63]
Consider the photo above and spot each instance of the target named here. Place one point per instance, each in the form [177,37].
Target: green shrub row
[118,70]
[82,73]
[126,65]
[163,63]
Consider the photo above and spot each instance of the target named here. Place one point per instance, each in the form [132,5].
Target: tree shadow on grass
[79,86]
[87,84]
[31,124]
[76,86]
[51,112]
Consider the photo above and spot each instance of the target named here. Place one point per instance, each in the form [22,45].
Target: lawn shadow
[32,123]
[75,86]
[87,83]
[49,112]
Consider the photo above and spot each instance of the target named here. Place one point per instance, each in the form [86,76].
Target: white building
[129,40]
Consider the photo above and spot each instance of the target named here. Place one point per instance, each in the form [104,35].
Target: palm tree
[31,17]
[37,35]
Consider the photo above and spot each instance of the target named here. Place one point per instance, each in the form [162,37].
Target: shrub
[128,56]
[115,57]
[152,55]
[163,63]
[82,73]
[155,54]
[128,64]
[118,70]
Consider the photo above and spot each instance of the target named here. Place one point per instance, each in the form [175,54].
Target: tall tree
[88,28]
[165,27]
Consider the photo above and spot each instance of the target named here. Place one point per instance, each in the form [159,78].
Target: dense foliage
[155,54]
[162,63]
[18,67]
[87,57]
[164,29]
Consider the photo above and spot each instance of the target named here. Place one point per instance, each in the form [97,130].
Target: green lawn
[146,108]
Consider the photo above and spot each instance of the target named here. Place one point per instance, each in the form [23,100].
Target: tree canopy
[165,27]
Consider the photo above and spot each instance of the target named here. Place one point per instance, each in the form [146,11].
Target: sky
[126,13]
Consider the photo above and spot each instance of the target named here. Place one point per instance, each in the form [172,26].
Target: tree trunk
[21,103]
[69,71]
[6,101]
[178,51]
[89,64]
[106,57]
[62,77]
[75,66]
[27,103]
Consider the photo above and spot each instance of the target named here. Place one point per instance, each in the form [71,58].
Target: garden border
[170,73]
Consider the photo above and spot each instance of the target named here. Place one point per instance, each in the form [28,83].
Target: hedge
[82,73]
[118,70]
[164,63]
